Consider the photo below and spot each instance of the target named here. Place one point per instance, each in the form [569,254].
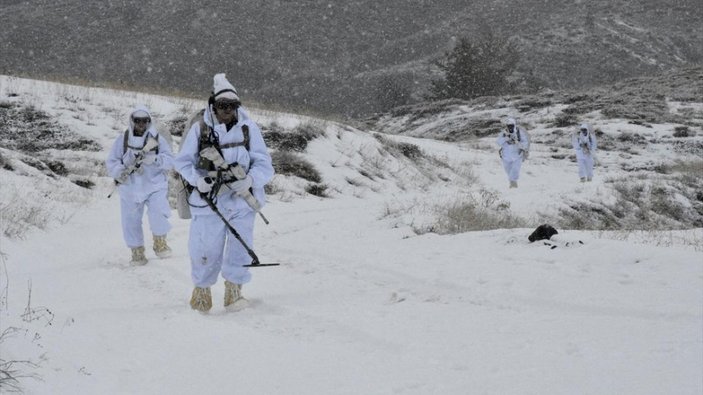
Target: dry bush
[289,163]
[317,190]
[296,140]
[639,205]
[397,149]
[484,212]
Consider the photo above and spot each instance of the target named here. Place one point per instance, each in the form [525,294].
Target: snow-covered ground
[362,303]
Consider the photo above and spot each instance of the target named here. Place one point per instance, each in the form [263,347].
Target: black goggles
[226,105]
[584,130]
[141,120]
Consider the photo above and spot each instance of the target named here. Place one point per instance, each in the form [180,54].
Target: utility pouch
[205,164]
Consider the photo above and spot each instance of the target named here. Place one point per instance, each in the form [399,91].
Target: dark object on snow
[543,232]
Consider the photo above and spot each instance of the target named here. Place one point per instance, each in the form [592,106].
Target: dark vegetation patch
[58,168]
[689,147]
[317,189]
[683,131]
[295,140]
[29,130]
[289,163]
[533,103]
[641,206]
[397,149]
[87,184]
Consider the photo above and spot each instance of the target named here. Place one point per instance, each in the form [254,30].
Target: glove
[211,154]
[240,187]
[150,159]
[205,184]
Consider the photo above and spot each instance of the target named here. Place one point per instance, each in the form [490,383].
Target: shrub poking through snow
[296,140]
[288,163]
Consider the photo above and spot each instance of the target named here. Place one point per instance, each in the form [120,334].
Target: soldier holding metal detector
[225,163]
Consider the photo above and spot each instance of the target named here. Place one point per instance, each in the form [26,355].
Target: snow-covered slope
[364,300]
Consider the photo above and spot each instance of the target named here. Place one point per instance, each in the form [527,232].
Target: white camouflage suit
[513,145]
[585,147]
[212,248]
[148,186]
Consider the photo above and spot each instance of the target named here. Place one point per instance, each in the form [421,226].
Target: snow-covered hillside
[648,165]
[373,295]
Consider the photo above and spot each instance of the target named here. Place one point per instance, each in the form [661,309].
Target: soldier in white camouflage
[584,143]
[140,161]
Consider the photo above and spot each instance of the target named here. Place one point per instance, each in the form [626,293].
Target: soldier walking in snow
[222,139]
[514,147]
[584,142]
[139,161]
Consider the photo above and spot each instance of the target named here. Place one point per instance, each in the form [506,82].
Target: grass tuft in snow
[395,148]
[296,140]
[641,204]
[288,163]
[484,212]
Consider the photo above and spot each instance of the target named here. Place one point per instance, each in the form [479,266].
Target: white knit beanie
[222,89]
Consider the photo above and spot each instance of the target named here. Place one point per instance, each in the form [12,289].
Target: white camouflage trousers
[512,168]
[158,212]
[585,166]
[214,249]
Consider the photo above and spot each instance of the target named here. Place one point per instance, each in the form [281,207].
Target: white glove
[150,159]
[211,154]
[240,187]
[205,184]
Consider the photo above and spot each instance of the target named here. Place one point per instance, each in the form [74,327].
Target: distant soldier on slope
[584,142]
[514,145]
[139,161]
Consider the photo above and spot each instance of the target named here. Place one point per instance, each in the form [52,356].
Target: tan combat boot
[201,299]
[513,184]
[138,257]
[233,297]
[161,249]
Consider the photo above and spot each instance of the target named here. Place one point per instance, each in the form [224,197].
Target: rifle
[235,170]
[584,146]
[512,137]
[151,143]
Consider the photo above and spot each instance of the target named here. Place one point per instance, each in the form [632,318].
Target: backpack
[185,189]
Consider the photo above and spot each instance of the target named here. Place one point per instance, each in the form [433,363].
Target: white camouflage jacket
[149,178]
[256,161]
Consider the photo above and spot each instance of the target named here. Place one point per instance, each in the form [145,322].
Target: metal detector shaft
[109,195]
[255,259]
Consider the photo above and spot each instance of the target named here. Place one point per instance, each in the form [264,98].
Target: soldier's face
[226,110]
[511,128]
[140,125]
